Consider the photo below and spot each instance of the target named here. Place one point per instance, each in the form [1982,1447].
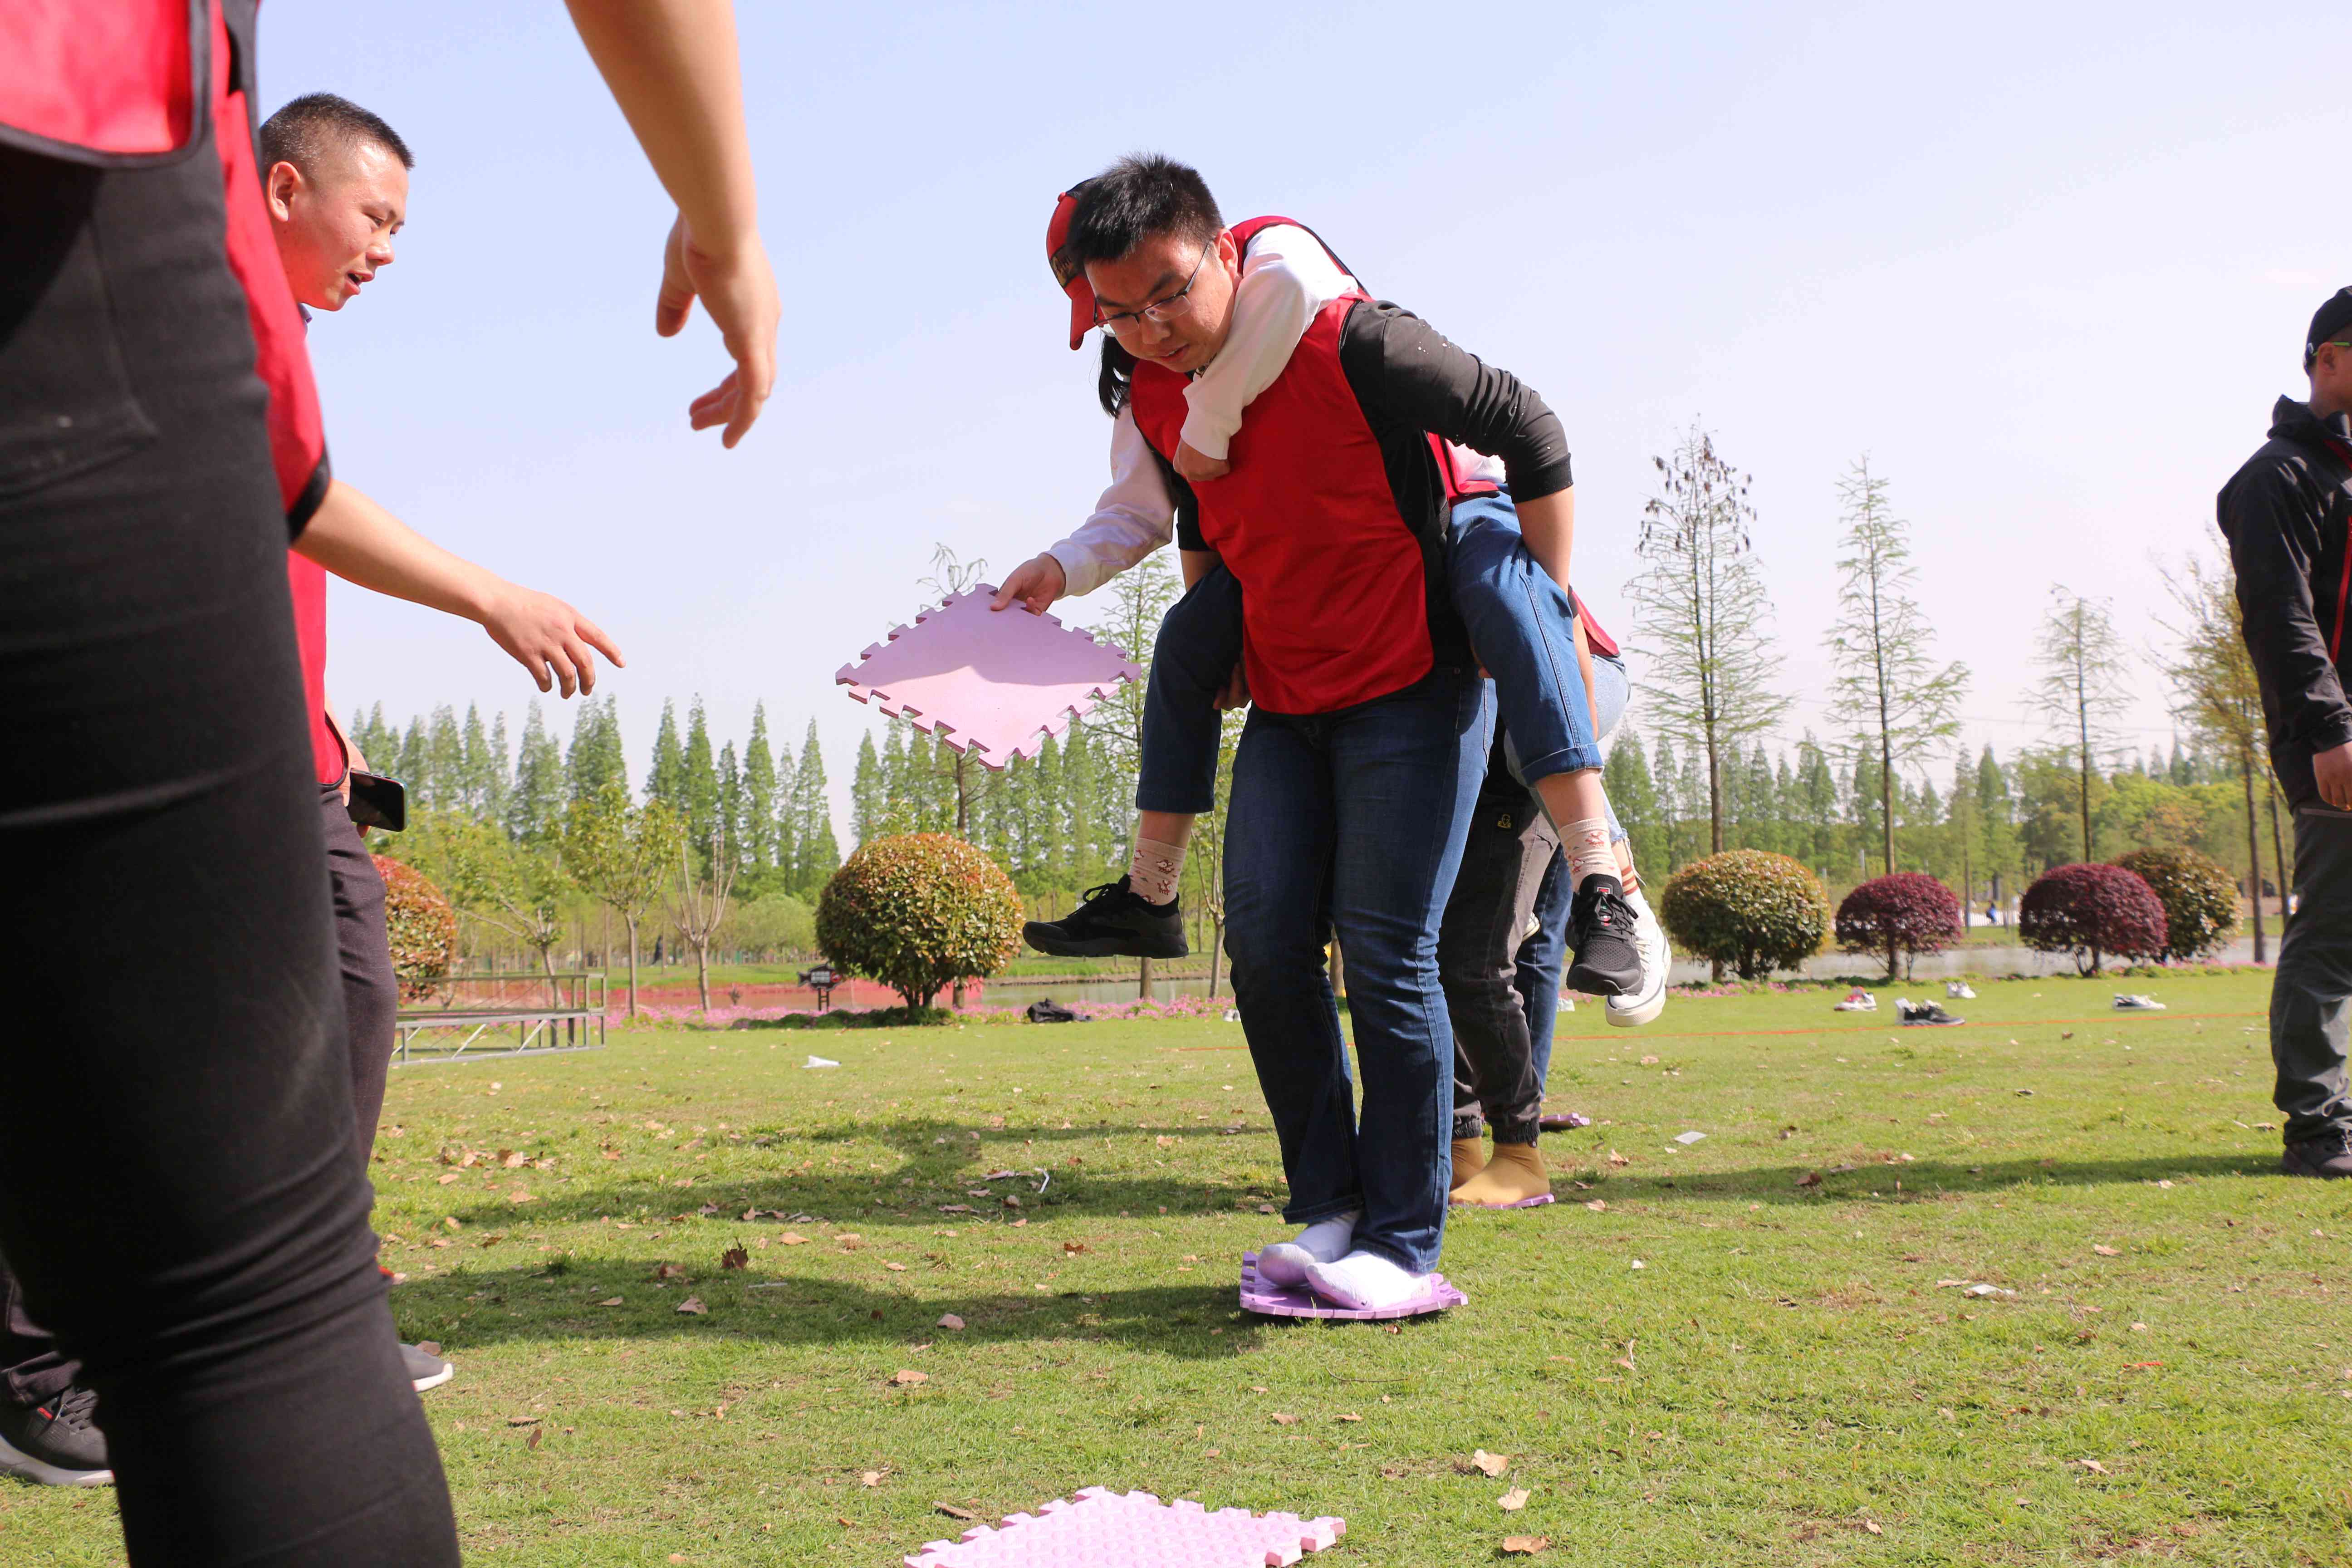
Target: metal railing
[469,1015]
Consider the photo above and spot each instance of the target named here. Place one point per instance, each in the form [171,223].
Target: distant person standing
[2285,513]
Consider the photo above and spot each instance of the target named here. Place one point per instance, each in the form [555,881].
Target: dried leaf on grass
[2093,1466]
[1513,1500]
[906,1378]
[693,1304]
[1617,1159]
[894,1268]
[522,1420]
[1809,1179]
[1487,1464]
[667,1271]
[2103,1250]
[1282,1418]
[1073,1247]
[954,1512]
[734,1257]
[951,1321]
[1525,1545]
[536,1433]
[610,1302]
[870,1478]
[792,1238]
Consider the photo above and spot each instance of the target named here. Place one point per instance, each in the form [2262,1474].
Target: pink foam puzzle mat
[1265,1297]
[992,683]
[1536,1201]
[1103,1529]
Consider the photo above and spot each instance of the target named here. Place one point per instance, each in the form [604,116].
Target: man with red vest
[2287,514]
[1367,738]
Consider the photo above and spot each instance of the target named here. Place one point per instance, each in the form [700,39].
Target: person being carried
[1524,625]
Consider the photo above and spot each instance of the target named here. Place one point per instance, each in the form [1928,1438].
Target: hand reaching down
[548,638]
[1035,584]
[739,292]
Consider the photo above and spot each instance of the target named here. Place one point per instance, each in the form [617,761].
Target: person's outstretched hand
[1035,584]
[739,292]
[547,636]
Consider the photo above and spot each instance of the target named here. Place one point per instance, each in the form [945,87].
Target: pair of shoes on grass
[2328,1156]
[1514,1177]
[1858,1001]
[1923,1012]
[1324,1258]
[2137,1002]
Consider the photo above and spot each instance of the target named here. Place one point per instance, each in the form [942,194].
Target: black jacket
[2287,515]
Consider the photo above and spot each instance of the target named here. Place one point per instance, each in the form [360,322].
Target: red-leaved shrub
[423,928]
[1900,916]
[2092,911]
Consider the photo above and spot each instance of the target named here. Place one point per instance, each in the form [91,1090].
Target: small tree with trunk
[699,903]
[2084,664]
[1888,690]
[1901,917]
[2215,693]
[919,911]
[2091,911]
[621,855]
[514,888]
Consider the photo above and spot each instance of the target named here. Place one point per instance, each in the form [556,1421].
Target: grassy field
[1756,1349]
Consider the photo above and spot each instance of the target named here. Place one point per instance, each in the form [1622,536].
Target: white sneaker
[1959,990]
[1858,1001]
[2138,1002]
[1647,1001]
[1325,1241]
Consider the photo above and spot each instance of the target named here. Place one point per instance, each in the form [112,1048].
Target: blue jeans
[1352,822]
[1200,642]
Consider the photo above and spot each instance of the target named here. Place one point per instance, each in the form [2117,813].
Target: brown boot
[1469,1159]
[1514,1179]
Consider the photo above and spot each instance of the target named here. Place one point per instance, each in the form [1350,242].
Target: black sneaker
[426,1369]
[57,1443]
[1925,1013]
[1112,922]
[2328,1156]
[1601,929]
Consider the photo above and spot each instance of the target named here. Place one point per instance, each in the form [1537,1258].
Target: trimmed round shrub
[2199,899]
[1901,916]
[919,911]
[1749,909]
[422,926]
[2092,911]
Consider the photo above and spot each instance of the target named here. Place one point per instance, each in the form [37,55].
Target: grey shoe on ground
[426,1367]
[55,1443]
[2328,1156]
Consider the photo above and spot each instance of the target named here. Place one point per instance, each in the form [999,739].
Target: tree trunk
[956,996]
[702,976]
[1144,980]
[631,921]
[1217,947]
[2085,714]
[1887,790]
[2278,852]
[1894,963]
[2253,855]
[1714,797]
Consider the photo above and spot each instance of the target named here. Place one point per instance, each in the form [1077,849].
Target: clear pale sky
[2047,266]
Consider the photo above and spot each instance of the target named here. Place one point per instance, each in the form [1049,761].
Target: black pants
[177,1191]
[2312,991]
[1502,864]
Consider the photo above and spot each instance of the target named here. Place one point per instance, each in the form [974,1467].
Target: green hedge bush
[1754,911]
[2199,899]
[919,911]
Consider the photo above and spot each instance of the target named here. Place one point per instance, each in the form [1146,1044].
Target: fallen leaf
[2105,1251]
[792,1238]
[1164,1142]
[2093,1466]
[1649,1061]
[445,1180]
[667,1271]
[1809,1179]
[1525,1545]
[1281,1419]
[906,1378]
[869,1478]
[850,1239]
[1627,1362]
[522,1420]
[1617,1159]
[955,1208]
[1347,1418]
[1871,1525]
[610,1302]
[1490,1464]
[734,1257]
[536,1433]
[608,1153]
[1011,1202]
[1073,1247]
[954,1512]
[951,1322]
[511,1160]
[1599,1205]
[1513,1500]
[896,1268]
[693,1304]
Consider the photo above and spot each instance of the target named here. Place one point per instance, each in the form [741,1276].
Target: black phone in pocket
[378,802]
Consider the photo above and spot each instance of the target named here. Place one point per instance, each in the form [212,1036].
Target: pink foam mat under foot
[1274,1301]
[1103,1529]
[1536,1201]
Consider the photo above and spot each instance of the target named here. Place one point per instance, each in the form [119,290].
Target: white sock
[1589,853]
[1366,1282]
[1152,869]
[1325,1241]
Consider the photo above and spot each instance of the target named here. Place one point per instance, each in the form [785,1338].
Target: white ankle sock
[1366,1282]
[1153,869]
[1286,1262]
[1588,853]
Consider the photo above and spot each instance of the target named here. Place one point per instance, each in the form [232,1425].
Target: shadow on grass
[476,1307]
[1921,1179]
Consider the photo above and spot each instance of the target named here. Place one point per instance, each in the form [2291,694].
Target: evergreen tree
[895,812]
[698,781]
[2081,689]
[446,753]
[415,768]
[473,765]
[731,805]
[787,795]
[596,765]
[535,811]
[501,776]
[666,779]
[868,803]
[758,822]
[1626,777]
[818,853]
[1817,795]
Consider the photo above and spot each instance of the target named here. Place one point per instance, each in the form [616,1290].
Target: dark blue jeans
[1199,643]
[1352,822]
[1543,960]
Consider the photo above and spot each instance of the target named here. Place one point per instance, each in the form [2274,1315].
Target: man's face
[1149,274]
[335,224]
[2331,375]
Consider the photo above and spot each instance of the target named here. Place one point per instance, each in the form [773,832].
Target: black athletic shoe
[1601,929]
[1112,922]
[1925,1013]
[2328,1156]
[55,1444]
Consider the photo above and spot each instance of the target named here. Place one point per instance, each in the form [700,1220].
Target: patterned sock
[1152,869]
[1588,852]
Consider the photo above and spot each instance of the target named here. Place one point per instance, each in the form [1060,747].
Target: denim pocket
[67,405]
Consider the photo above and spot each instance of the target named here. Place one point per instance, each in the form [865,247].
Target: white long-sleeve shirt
[1287,276]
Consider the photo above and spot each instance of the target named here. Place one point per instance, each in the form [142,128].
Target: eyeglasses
[1159,311]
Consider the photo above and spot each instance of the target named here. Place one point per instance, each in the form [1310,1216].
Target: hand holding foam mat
[992,683]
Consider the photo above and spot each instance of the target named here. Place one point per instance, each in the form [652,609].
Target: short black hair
[1142,195]
[302,131]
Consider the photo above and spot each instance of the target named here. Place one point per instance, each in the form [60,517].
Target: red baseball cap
[1071,275]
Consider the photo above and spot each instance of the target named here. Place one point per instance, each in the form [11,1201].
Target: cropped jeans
[1351,823]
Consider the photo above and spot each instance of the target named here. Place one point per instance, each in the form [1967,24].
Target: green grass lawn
[1701,1354]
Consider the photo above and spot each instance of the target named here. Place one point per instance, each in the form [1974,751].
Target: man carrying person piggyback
[2286,514]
